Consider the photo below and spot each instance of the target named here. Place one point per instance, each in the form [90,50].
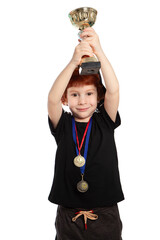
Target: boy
[88,132]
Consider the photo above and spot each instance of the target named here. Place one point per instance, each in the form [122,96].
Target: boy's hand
[90,36]
[83,48]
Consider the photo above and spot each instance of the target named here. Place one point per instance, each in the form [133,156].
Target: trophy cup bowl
[82,18]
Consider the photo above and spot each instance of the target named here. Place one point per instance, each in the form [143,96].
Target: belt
[87,215]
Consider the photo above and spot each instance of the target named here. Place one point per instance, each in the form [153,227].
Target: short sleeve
[105,115]
[58,131]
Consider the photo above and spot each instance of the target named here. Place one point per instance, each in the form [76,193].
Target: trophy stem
[80,32]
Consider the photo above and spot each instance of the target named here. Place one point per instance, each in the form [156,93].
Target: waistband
[96,209]
[91,214]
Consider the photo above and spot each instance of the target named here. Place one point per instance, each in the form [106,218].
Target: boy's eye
[89,93]
[74,94]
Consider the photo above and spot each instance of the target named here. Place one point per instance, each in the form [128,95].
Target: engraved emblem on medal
[79,161]
[82,186]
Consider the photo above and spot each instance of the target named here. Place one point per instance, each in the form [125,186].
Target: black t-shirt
[101,171]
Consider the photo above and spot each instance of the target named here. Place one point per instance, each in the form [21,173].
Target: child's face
[82,101]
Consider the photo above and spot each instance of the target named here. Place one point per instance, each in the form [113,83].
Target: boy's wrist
[72,65]
[100,54]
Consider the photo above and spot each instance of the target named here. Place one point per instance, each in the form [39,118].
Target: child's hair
[80,80]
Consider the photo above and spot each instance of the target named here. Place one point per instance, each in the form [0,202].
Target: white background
[37,41]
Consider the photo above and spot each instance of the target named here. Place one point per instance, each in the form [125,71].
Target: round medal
[82,186]
[79,161]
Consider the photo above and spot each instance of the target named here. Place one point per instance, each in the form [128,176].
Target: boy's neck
[86,120]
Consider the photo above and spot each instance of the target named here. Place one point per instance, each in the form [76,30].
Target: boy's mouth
[82,109]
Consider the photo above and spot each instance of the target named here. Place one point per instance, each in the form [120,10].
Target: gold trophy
[82,18]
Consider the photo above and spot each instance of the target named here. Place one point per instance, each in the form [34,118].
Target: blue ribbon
[82,169]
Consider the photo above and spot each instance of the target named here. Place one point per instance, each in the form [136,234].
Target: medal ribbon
[76,141]
[79,147]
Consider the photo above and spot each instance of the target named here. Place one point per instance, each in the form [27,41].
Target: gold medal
[79,161]
[82,186]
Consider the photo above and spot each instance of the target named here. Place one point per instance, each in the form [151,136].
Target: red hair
[81,80]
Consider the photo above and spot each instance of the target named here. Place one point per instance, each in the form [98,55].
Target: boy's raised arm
[111,100]
[60,84]
[56,92]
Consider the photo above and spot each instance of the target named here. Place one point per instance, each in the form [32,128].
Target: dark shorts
[108,226]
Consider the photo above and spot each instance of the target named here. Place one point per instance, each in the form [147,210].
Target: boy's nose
[82,100]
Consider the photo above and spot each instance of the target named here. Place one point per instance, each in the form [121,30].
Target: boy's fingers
[84,46]
[84,43]
[87,54]
[89,39]
[86,34]
[89,29]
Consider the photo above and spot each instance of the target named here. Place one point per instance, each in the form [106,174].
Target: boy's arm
[60,84]
[56,92]
[111,100]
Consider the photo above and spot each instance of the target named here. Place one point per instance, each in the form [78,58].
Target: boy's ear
[66,103]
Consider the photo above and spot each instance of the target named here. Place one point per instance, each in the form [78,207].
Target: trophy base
[89,68]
